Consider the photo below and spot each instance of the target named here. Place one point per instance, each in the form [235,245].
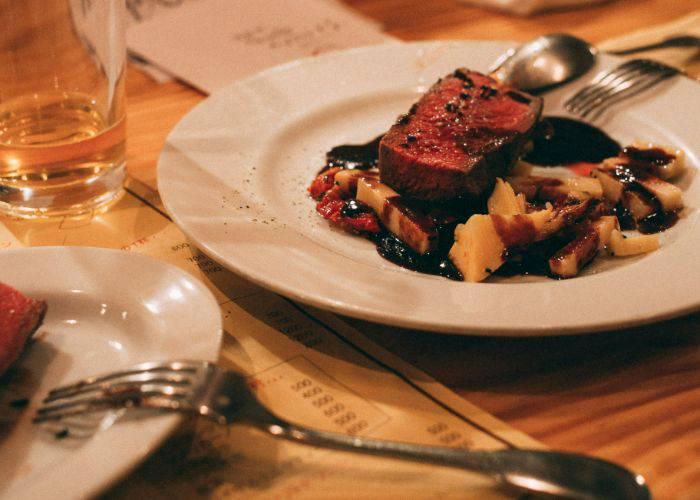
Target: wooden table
[630,396]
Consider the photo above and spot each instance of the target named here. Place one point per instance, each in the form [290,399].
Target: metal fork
[202,388]
[622,82]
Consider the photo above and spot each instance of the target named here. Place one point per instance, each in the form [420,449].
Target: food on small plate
[20,316]
[445,190]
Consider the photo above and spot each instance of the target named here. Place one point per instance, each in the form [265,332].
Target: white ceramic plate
[234,174]
[107,309]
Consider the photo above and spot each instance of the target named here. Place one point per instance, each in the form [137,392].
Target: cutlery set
[201,388]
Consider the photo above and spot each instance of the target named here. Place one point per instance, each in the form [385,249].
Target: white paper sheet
[211,43]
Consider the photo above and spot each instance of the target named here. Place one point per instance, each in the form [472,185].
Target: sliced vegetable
[622,246]
[504,201]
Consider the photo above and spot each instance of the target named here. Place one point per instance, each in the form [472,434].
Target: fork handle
[675,41]
[534,471]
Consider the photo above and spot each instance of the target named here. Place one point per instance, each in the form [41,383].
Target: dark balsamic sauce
[353,208]
[532,260]
[657,222]
[520,231]
[624,217]
[396,251]
[563,141]
[647,159]
[354,156]
[438,222]
[627,176]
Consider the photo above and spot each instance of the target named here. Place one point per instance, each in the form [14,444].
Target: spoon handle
[675,41]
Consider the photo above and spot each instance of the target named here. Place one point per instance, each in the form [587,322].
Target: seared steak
[464,132]
[20,316]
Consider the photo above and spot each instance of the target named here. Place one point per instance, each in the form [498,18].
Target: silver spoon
[545,62]
[552,60]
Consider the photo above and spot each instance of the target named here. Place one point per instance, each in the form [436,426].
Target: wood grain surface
[631,396]
[443,19]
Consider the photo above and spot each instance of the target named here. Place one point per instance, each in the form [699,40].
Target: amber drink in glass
[62,127]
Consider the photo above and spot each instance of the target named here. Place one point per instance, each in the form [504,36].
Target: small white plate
[234,174]
[107,309]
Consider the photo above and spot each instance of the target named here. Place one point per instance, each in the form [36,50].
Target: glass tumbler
[62,110]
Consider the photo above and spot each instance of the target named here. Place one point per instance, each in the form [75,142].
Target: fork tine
[594,90]
[599,108]
[186,366]
[604,97]
[93,406]
[601,94]
[627,89]
[174,378]
[168,396]
[627,80]
[603,79]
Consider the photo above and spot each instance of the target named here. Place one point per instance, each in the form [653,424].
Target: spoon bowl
[545,62]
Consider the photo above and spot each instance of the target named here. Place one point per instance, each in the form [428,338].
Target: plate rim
[162,426]
[360,312]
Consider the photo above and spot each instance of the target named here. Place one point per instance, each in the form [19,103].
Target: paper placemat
[308,366]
